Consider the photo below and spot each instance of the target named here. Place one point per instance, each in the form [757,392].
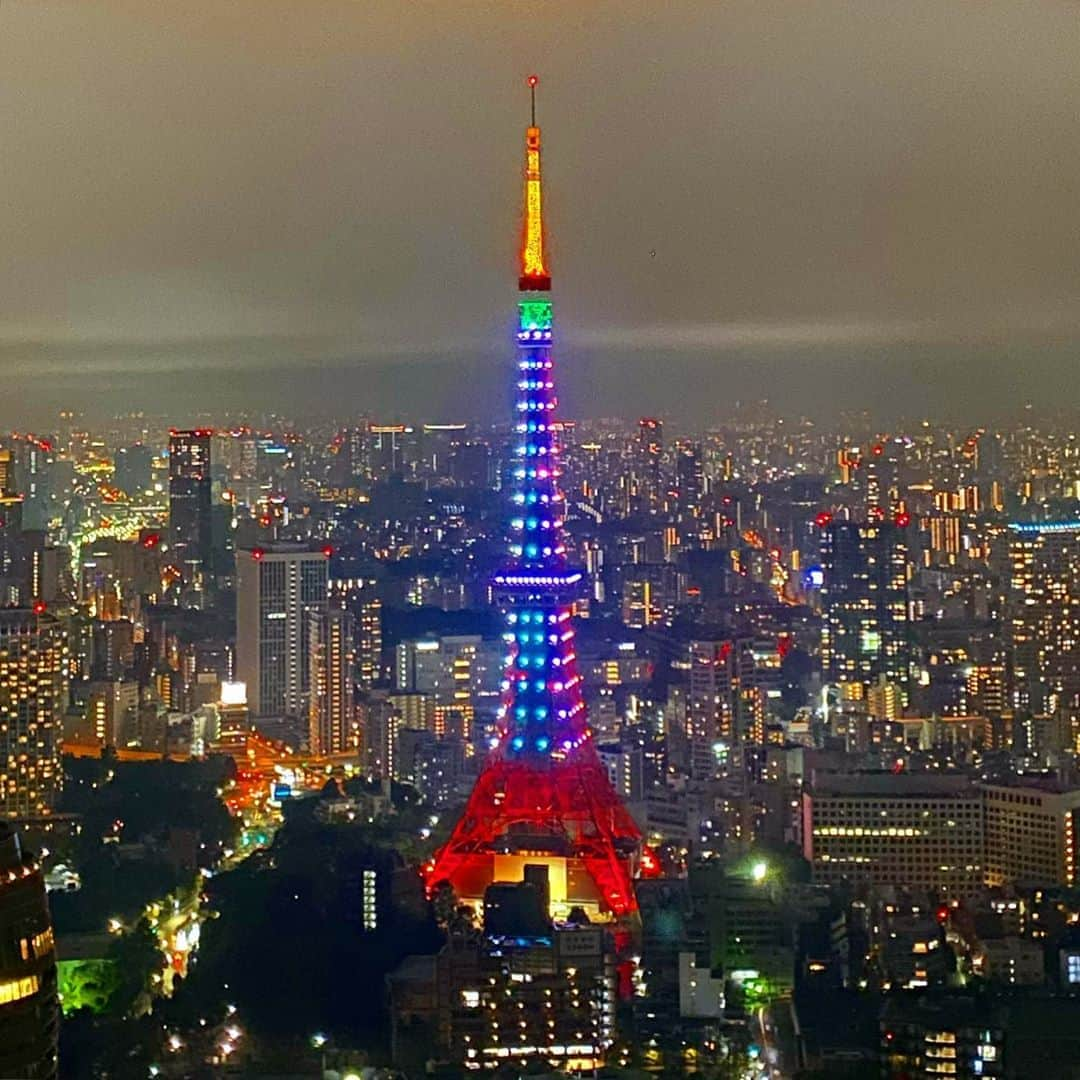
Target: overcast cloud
[756,198]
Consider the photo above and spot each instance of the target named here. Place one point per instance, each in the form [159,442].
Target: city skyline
[674,672]
[829,207]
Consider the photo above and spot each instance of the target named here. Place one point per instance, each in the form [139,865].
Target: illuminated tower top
[534,275]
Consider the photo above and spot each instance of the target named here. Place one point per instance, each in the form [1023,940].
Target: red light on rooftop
[39,607]
[650,864]
[876,513]
[823,519]
[878,450]
[257,554]
[942,914]
[151,541]
[532,80]
[903,519]
[328,551]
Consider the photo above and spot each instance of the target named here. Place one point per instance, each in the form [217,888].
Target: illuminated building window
[17,989]
[38,945]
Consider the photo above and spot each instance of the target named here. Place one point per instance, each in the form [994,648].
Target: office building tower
[1043,619]
[33,699]
[650,450]
[112,710]
[710,716]
[277,588]
[444,668]
[865,628]
[333,726]
[913,831]
[689,479]
[544,801]
[351,467]
[16,571]
[1031,833]
[381,724]
[29,1012]
[112,644]
[133,469]
[190,506]
[34,469]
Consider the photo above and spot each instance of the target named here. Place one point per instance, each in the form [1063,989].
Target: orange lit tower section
[544,803]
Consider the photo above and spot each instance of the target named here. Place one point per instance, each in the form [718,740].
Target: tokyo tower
[544,798]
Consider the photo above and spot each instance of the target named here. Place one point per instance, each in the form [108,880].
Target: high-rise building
[1043,613]
[33,480]
[29,1013]
[33,699]
[650,450]
[15,573]
[864,633]
[190,506]
[277,588]
[333,726]
[369,643]
[689,478]
[710,717]
[381,725]
[133,468]
[544,802]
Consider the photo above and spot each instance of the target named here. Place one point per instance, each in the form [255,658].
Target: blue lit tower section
[544,715]
[544,797]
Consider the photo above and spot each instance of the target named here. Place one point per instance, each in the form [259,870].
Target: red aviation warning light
[649,865]
[39,607]
[823,520]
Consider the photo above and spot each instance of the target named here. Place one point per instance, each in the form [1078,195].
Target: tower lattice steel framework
[544,781]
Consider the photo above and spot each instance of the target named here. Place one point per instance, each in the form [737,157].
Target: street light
[319,1041]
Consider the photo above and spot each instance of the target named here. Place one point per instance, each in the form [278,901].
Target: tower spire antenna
[534,274]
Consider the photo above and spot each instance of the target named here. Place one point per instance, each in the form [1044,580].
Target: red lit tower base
[544,798]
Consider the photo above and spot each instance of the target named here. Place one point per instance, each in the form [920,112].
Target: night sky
[313,205]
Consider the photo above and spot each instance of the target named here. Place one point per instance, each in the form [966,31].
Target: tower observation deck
[544,797]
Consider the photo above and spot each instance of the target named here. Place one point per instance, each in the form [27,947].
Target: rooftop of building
[1044,783]
[891,785]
